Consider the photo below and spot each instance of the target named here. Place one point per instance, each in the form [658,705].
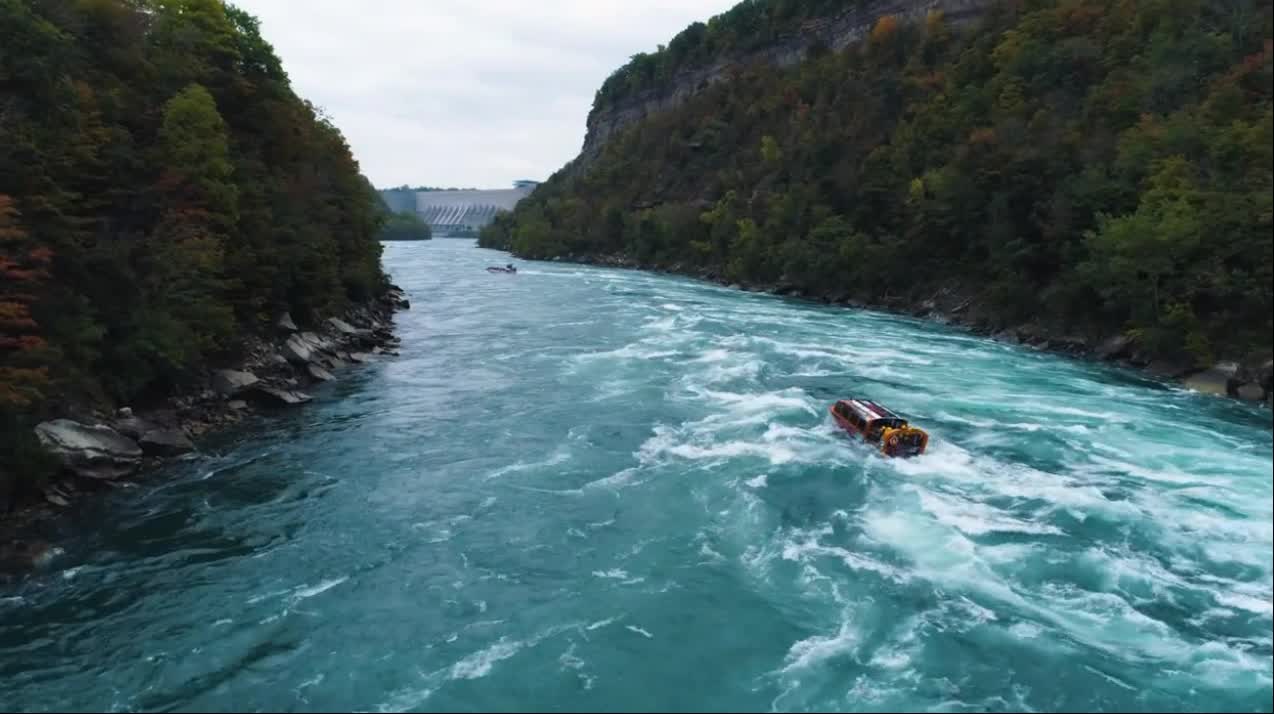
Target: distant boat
[498,269]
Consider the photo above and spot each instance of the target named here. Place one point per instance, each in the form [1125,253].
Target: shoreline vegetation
[1089,175]
[168,205]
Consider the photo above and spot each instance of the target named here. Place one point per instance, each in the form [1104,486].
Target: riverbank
[101,452]
[1248,380]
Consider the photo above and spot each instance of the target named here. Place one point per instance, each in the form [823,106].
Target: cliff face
[835,32]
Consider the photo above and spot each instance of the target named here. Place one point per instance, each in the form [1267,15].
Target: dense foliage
[405,226]
[1093,165]
[748,26]
[162,192]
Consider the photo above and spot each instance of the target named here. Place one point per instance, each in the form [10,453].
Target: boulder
[229,382]
[342,326]
[285,323]
[280,397]
[320,374]
[1251,393]
[316,343]
[131,426]
[165,442]
[1217,379]
[1267,375]
[1117,347]
[237,405]
[95,451]
[360,357]
[297,350]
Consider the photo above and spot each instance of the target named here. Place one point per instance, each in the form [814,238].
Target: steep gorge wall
[836,33]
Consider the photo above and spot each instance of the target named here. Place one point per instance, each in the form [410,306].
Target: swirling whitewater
[585,489]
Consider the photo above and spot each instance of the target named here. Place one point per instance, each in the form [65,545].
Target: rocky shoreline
[100,452]
[1247,381]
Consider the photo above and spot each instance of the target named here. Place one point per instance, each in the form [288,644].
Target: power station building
[452,212]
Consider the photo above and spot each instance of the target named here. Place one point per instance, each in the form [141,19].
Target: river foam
[585,489]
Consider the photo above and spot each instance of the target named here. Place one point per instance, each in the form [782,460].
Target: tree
[23,267]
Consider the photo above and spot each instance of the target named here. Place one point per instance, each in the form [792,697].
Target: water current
[581,488]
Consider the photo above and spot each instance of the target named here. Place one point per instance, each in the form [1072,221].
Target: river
[582,488]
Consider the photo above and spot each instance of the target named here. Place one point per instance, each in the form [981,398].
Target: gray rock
[342,326]
[1267,375]
[285,323]
[229,382]
[317,343]
[165,442]
[124,412]
[95,451]
[1116,347]
[1215,380]
[320,374]
[297,350]
[360,357]
[280,397]
[1251,393]
[132,427]
[237,405]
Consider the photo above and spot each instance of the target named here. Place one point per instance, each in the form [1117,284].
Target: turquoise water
[592,489]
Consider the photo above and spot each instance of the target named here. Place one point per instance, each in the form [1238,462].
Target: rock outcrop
[341,326]
[91,451]
[165,442]
[1117,347]
[1220,379]
[1251,393]
[297,350]
[273,373]
[319,374]
[277,396]
[836,33]
[229,382]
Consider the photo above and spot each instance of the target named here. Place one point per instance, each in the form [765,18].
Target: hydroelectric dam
[456,212]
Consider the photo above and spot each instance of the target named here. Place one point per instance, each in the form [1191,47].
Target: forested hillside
[163,194]
[1092,166]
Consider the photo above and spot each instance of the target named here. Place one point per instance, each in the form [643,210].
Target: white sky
[463,92]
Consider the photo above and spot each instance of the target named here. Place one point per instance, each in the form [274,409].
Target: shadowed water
[581,488]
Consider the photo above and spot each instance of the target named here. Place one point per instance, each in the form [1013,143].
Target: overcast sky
[463,92]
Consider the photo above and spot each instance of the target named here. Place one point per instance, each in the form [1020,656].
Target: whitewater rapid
[586,488]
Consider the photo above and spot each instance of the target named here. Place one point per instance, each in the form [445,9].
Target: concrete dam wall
[457,211]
